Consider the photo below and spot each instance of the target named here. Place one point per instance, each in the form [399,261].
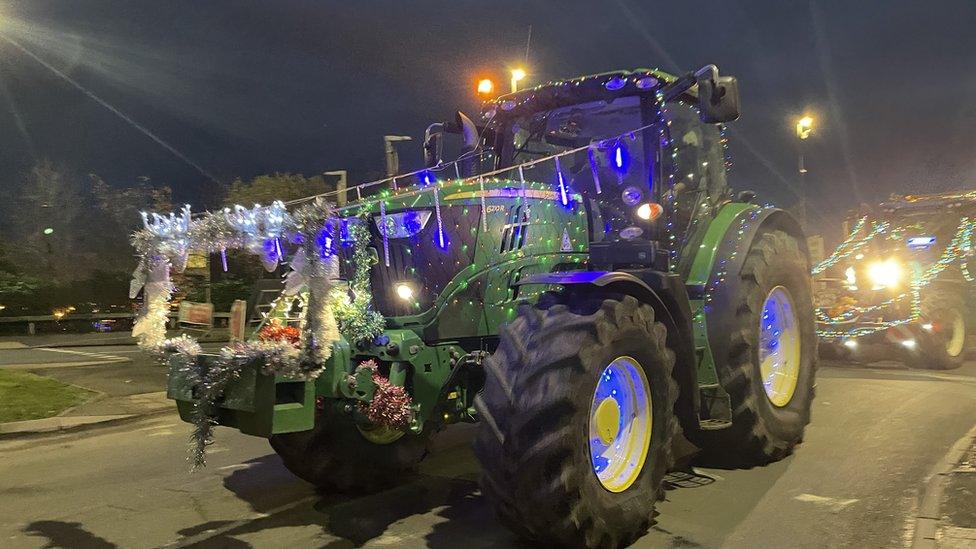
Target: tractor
[583,284]
[899,286]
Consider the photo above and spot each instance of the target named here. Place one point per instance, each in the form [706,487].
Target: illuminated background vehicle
[901,278]
[584,284]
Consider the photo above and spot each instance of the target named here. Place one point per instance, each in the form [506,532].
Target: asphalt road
[854,482]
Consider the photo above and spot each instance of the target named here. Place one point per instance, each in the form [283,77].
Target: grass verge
[26,396]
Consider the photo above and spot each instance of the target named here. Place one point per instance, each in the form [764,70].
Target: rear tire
[534,442]
[335,456]
[762,430]
[945,347]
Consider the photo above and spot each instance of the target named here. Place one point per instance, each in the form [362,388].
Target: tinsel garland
[149,328]
[281,350]
[391,405]
[316,265]
[356,316]
[183,345]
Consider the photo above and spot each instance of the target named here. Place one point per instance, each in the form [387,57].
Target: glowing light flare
[850,275]
[404,291]
[621,157]
[804,127]
[486,86]
[649,211]
[885,273]
[518,75]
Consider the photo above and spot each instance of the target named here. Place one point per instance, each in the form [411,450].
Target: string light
[955,252]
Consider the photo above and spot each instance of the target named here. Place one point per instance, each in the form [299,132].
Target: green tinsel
[356,317]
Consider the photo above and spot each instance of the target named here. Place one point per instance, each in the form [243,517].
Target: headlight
[404,291]
[885,274]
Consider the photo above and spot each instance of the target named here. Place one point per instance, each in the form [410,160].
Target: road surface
[876,434]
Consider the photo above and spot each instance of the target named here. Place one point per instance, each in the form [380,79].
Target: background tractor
[899,286]
[583,283]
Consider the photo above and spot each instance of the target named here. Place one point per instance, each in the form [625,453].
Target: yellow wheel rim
[956,341]
[381,435]
[621,424]
[779,346]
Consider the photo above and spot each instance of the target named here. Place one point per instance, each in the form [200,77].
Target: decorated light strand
[956,251]
[384,231]
[484,210]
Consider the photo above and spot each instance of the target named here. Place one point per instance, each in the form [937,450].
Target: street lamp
[392,159]
[485,87]
[517,74]
[804,127]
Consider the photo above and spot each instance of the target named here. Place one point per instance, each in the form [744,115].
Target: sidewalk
[125,391]
[114,410]
[94,339]
[957,527]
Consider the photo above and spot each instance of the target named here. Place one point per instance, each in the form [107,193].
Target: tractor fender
[729,255]
[721,238]
[666,294]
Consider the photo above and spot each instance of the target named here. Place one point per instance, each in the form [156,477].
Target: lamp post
[804,127]
[340,185]
[392,159]
[517,75]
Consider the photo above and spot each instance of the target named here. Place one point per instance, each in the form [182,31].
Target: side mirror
[718,96]
[434,146]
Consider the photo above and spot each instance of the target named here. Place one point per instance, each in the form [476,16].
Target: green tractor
[583,284]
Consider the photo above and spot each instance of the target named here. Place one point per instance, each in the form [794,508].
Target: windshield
[615,175]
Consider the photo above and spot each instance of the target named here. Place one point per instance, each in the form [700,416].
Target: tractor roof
[582,89]
[929,202]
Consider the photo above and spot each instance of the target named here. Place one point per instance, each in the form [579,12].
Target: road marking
[82,353]
[835,504]
[234,467]
[12,345]
[160,434]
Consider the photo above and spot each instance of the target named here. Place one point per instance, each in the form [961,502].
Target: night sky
[245,88]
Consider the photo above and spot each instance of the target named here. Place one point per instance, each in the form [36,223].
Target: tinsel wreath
[391,404]
[356,316]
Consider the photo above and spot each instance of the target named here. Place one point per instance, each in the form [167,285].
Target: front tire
[335,455]
[943,337]
[546,445]
[770,402]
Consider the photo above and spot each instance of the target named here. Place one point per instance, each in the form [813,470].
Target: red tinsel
[275,331]
[391,405]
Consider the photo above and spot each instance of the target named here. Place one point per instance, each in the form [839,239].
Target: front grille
[514,232]
[420,262]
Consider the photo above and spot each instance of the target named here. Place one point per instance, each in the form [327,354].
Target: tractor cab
[640,147]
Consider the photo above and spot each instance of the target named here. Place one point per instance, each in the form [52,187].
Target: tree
[265,189]
[46,222]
